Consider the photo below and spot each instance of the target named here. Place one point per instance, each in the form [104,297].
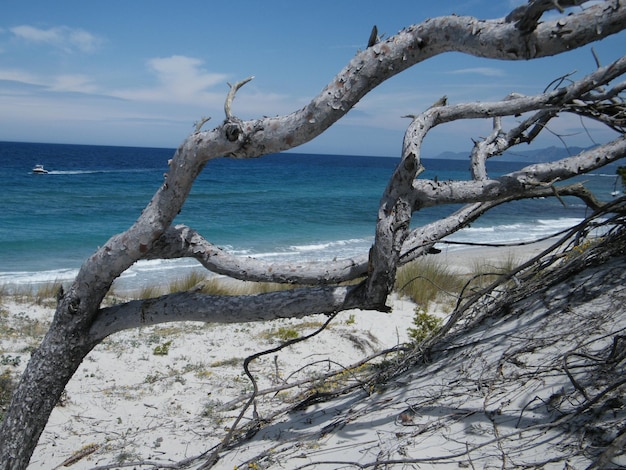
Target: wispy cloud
[181,71]
[16,75]
[74,83]
[485,71]
[77,83]
[180,79]
[61,37]
[175,80]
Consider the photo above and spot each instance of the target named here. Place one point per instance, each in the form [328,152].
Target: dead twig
[231,96]
[213,458]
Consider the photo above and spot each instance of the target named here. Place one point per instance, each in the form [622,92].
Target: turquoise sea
[290,205]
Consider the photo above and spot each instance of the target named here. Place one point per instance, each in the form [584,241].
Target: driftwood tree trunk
[80,323]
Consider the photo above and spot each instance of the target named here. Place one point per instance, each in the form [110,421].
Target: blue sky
[141,73]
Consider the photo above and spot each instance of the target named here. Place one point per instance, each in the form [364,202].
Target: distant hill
[528,156]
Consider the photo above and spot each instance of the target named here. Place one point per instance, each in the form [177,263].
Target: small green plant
[289,332]
[583,247]
[162,349]
[285,333]
[8,360]
[351,319]
[152,378]
[425,325]
[24,327]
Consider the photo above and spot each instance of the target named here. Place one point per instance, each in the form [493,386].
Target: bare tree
[80,322]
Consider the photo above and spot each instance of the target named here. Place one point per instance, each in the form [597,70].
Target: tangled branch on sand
[529,373]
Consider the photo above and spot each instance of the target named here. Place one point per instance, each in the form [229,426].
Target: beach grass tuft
[425,279]
[41,294]
[149,292]
[228,286]
[47,293]
[190,281]
[485,272]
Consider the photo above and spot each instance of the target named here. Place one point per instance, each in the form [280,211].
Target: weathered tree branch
[363,73]
[555,100]
[427,193]
[421,238]
[194,306]
[184,242]
[494,39]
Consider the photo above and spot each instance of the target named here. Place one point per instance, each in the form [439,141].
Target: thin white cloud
[73,83]
[61,37]
[181,71]
[62,83]
[16,75]
[181,79]
[485,71]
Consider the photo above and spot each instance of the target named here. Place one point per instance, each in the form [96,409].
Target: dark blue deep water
[286,205]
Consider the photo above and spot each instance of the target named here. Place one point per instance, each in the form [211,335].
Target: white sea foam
[36,277]
[91,172]
[512,233]
[330,245]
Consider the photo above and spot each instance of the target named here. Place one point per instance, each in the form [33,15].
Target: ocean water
[283,206]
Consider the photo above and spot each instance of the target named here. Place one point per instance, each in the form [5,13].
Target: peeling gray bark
[79,323]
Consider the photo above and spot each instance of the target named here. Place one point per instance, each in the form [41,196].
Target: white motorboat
[40,170]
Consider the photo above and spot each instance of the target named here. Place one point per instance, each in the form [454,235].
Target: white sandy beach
[132,404]
[158,393]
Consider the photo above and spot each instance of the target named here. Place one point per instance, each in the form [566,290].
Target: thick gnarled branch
[495,39]
[184,242]
[195,306]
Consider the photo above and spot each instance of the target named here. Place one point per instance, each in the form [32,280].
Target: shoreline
[458,257]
